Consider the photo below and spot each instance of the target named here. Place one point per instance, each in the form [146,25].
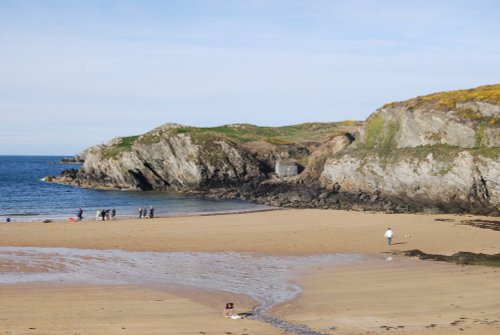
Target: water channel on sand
[264,278]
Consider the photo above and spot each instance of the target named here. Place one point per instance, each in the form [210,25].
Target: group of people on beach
[105,214]
[110,214]
[145,213]
[100,215]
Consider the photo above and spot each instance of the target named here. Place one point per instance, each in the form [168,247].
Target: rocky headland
[436,153]
[75,160]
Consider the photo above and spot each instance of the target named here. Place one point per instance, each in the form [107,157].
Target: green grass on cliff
[123,144]
[448,100]
[240,134]
[379,133]
[287,135]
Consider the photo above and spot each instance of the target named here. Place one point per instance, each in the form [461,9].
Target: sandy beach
[399,295]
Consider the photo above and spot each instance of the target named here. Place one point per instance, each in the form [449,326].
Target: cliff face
[171,162]
[178,158]
[439,153]
[462,182]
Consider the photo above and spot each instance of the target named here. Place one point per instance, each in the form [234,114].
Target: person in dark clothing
[79,215]
[113,214]
[107,214]
[151,212]
[103,214]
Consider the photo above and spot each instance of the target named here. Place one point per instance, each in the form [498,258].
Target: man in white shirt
[388,235]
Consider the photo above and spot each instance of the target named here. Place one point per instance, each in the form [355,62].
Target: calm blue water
[25,197]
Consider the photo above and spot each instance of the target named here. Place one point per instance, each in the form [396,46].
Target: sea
[24,196]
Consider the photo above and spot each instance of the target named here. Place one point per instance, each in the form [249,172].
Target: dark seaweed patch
[483,224]
[462,258]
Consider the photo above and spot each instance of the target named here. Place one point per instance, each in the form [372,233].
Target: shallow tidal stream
[263,278]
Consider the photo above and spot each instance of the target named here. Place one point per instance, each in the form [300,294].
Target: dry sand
[403,296]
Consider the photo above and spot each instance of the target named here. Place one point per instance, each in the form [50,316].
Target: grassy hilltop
[242,134]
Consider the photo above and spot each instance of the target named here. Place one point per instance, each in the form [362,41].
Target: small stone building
[286,169]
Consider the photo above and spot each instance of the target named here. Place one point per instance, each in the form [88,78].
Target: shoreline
[343,300]
[36,218]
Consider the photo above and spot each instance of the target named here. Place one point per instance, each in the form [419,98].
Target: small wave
[21,214]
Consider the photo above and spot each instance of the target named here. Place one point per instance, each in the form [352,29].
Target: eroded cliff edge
[436,153]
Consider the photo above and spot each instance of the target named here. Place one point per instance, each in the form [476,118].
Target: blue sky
[78,73]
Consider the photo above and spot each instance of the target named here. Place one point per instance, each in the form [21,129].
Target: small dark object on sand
[47,221]
[444,220]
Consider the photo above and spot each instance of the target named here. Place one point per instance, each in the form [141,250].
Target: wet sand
[419,297]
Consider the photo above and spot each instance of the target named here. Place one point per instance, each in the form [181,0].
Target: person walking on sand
[389,234]
[151,212]
[113,214]
[140,212]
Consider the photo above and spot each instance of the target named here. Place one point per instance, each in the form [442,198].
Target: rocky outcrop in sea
[437,153]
